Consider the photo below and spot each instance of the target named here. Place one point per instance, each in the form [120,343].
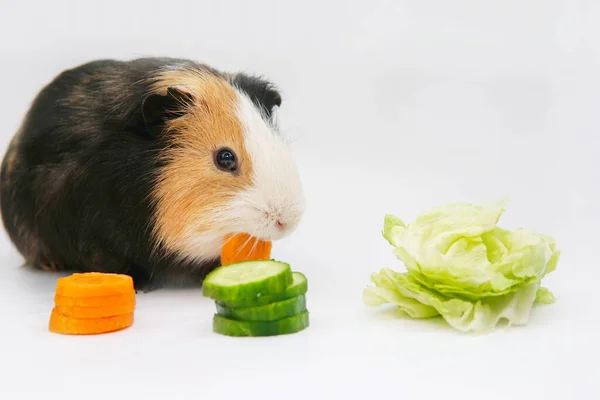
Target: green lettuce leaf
[544,296]
[479,316]
[462,266]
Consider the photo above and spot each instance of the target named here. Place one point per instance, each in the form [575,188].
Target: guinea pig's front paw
[147,285]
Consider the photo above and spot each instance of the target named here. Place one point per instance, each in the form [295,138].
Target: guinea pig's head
[225,168]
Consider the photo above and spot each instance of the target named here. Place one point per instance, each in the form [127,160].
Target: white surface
[434,101]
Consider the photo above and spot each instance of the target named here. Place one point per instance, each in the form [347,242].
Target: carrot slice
[103,311]
[77,326]
[94,301]
[92,284]
[243,247]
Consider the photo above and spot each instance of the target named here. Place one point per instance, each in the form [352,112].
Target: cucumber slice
[247,280]
[230,327]
[268,312]
[298,287]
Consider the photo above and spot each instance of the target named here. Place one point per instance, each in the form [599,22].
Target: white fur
[276,193]
[203,247]
[207,246]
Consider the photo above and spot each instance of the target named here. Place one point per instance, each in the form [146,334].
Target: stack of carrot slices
[92,303]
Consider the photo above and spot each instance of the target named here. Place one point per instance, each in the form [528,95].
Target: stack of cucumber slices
[257,298]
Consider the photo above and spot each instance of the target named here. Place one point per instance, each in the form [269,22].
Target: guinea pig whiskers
[245,243]
[229,239]
[254,246]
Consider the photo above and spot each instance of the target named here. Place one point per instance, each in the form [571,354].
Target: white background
[392,106]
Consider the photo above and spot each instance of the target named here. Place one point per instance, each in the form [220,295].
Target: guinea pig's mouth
[268,222]
[276,235]
[269,235]
[275,230]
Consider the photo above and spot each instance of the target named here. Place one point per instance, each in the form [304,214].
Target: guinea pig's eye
[225,159]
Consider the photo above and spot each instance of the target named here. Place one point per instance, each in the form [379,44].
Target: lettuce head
[462,266]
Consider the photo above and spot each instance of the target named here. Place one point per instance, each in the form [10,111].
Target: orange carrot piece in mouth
[244,247]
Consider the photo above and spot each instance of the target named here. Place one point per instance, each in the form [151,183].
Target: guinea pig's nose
[280,224]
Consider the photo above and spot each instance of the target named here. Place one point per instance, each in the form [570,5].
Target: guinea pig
[143,167]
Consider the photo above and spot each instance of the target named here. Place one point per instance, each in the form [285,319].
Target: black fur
[263,94]
[159,108]
[76,180]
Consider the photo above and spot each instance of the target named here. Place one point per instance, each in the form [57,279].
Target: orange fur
[190,188]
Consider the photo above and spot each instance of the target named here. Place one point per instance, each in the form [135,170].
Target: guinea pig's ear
[263,93]
[157,109]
